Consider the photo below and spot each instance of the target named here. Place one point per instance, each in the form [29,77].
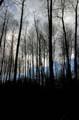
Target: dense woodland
[39,46]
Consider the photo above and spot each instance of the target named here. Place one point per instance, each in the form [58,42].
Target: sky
[32,6]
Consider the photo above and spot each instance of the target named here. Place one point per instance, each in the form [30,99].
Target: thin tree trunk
[25,58]
[19,37]
[39,60]
[44,77]
[25,51]
[51,74]
[4,48]
[67,49]
[11,55]
[32,59]
[37,66]
[1,1]
[75,48]
[3,28]
[19,69]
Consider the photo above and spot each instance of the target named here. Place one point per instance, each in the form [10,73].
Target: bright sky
[35,5]
[31,6]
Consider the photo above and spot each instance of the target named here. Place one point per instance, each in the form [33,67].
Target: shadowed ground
[33,84]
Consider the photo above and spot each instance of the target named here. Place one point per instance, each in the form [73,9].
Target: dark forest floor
[60,106]
[33,84]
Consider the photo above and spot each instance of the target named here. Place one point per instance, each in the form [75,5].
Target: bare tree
[25,51]
[31,45]
[19,37]
[1,1]
[3,27]
[65,38]
[4,49]
[75,47]
[11,56]
[37,52]
[49,8]
[69,36]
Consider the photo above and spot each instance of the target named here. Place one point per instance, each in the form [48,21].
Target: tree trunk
[25,58]
[37,66]
[75,48]
[51,74]
[44,77]
[67,49]
[1,1]
[40,62]
[3,28]
[32,59]
[3,51]
[11,55]
[18,44]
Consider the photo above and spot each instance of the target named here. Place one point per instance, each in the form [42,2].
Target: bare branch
[1,1]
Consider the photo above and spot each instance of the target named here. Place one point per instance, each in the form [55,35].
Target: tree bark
[2,62]
[75,47]
[37,66]
[66,45]
[1,1]
[19,37]
[3,28]
[51,76]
